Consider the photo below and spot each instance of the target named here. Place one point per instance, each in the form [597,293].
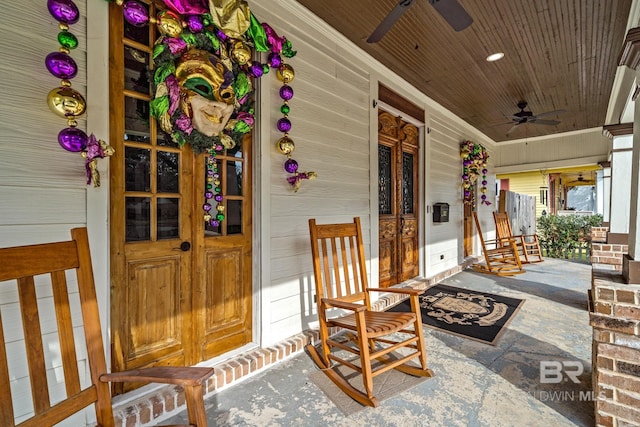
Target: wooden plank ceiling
[559,55]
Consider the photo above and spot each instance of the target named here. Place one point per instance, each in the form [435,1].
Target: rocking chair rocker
[501,256]
[527,244]
[341,285]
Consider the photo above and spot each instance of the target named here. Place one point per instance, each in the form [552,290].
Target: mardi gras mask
[208,117]
[206,75]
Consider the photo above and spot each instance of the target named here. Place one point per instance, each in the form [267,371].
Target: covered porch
[474,383]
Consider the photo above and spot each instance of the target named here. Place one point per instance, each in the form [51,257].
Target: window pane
[167,175]
[164,139]
[137,161]
[136,120]
[138,221]
[233,217]
[407,183]
[136,70]
[168,216]
[384,180]
[234,178]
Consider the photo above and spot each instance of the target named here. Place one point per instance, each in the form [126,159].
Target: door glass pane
[168,216]
[137,174]
[234,216]
[136,70]
[407,183]
[384,180]
[138,219]
[136,120]
[234,178]
[167,172]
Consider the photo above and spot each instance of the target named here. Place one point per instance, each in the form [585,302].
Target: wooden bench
[20,269]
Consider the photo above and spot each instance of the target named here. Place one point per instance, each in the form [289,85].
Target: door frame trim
[422,219]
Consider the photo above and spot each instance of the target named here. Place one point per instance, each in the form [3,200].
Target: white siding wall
[42,187]
[335,131]
[569,149]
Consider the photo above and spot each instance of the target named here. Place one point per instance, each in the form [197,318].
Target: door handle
[184,247]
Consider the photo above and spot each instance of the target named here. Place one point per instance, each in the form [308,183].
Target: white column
[634,215]
[621,168]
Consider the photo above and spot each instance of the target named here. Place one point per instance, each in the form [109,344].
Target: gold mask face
[209,117]
[203,73]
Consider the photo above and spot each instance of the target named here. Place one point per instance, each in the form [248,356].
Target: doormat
[471,314]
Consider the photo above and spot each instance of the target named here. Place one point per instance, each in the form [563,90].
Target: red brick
[628,399]
[618,352]
[604,420]
[158,407]
[618,381]
[606,294]
[612,324]
[605,363]
[624,412]
[169,402]
[144,412]
[603,308]
[627,312]
[625,296]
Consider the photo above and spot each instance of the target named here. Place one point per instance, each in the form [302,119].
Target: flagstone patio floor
[475,384]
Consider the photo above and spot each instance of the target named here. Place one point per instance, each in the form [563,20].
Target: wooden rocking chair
[341,285]
[501,255]
[21,265]
[528,244]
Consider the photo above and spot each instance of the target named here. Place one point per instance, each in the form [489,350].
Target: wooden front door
[180,288]
[398,190]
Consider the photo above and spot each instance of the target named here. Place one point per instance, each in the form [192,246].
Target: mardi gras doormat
[477,315]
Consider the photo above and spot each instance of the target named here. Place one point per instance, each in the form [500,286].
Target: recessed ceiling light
[495,57]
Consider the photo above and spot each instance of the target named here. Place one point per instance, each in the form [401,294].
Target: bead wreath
[474,164]
[67,102]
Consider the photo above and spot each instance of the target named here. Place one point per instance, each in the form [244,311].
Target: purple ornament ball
[286,92]
[214,223]
[484,182]
[194,23]
[63,11]
[73,139]
[483,197]
[256,69]
[135,13]
[465,177]
[218,198]
[291,165]
[274,60]
[61,65]
[484,171]
[284,125]
[206,207]
[208,195]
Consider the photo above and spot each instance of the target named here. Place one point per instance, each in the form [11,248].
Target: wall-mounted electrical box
[441,212]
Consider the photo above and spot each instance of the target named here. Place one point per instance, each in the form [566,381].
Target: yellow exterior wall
[528,183]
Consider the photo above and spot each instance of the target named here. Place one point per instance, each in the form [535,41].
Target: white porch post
[620,189]
[603,192]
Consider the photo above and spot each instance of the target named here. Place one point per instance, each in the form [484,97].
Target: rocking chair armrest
[184,376]
[407,291]
[330,302]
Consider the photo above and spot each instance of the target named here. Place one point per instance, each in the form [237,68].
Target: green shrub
[561,235]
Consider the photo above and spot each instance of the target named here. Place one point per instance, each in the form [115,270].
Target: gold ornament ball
[169,24]
[66,102]
[241,53]
[286,73]
[483,190]
[286,145]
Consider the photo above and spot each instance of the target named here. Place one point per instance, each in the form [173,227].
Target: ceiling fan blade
[545,122]
[513,128]
[550,113]
[389,20]
[453,13]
